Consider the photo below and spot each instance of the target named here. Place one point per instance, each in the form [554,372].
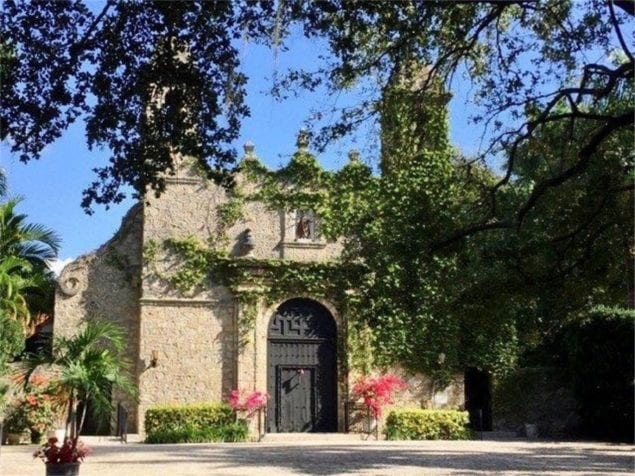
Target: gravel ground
[335,457]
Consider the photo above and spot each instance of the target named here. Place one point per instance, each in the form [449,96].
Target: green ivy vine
[251,280]
[248,300]
[338,198]
[402,310]
[229,213]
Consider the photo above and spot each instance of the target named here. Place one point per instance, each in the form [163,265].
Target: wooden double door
[302,368]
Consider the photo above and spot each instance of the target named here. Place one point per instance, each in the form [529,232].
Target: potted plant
[247,403]
[64,459]
[83,368]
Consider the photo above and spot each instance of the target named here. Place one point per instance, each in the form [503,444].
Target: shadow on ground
[341,459]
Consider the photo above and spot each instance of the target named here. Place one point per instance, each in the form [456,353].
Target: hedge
[196,423]
[233,432]
[419,424]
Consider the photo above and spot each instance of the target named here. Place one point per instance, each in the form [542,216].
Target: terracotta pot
[62,469]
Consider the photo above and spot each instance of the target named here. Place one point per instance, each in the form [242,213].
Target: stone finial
[249,149]
[353,155]
[303,139]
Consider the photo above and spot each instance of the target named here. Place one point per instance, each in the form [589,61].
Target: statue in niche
[304,226]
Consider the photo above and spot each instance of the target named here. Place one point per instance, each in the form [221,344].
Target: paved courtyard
[339,457]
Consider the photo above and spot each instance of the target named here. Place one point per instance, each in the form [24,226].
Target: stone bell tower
[414,116]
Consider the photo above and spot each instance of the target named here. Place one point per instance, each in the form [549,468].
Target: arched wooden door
[302,368]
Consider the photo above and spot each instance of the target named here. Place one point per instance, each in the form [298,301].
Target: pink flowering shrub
[377,392]
[251,402]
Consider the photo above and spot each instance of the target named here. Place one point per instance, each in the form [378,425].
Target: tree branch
[584,158]
[618,32]
[464,233]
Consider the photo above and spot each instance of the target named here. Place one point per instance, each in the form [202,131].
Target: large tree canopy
[130,67]
[531,65]
[458,260]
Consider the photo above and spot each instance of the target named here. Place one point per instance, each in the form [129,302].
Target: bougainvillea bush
[35,408]
[248,402]
[377,392]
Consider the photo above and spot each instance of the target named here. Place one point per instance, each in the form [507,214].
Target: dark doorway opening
[478,399]
[94,424]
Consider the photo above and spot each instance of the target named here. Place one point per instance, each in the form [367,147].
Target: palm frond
[90,364]
[36,241]
[3,183]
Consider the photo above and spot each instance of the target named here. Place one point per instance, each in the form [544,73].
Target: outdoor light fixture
[154,360]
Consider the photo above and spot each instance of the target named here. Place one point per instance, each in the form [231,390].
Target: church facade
[198,344]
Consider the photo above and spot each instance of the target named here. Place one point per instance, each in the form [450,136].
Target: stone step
[497,435]
[108,440]
[302,438]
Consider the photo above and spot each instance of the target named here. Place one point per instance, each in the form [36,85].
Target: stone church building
[188,347]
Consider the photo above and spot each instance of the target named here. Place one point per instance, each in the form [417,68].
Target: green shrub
[232,432]
[419,424]
[198,423]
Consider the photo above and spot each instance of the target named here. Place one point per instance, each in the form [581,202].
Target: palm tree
[85,367]
[26,283]
[15,284]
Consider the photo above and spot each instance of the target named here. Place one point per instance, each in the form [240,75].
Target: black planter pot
[62,469]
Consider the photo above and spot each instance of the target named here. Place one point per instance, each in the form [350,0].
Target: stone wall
[194,343]
[195,335]
[189,208]
[105,284]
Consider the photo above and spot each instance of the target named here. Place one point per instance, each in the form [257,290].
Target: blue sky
[52,186]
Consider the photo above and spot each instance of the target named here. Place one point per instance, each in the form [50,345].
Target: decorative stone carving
[68,282]
[249,149]
[305,225]
[247,243]
[303,140]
